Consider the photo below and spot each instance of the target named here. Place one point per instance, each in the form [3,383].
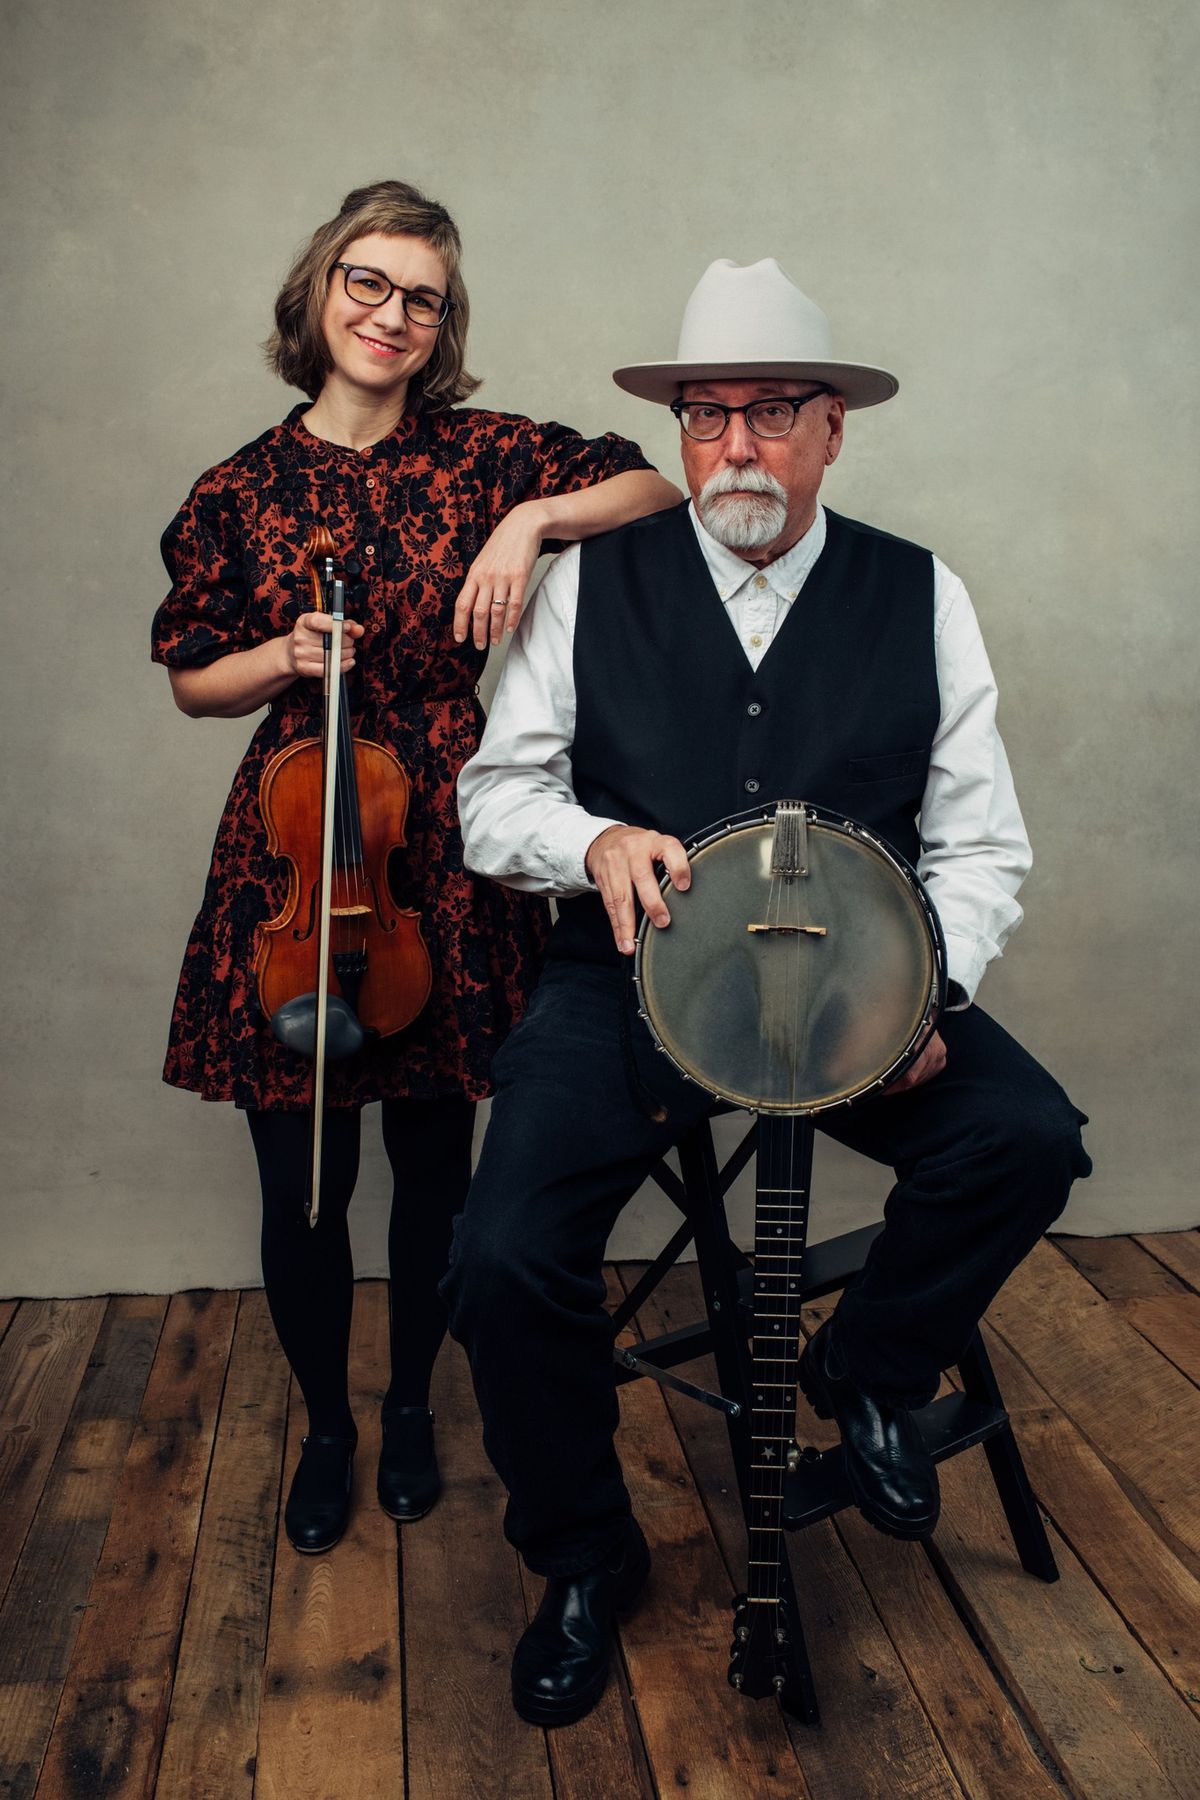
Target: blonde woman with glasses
[438,512]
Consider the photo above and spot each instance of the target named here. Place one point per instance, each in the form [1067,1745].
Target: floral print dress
[408,516]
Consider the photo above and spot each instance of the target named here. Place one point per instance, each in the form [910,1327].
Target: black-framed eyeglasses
[371,287]
[773,417]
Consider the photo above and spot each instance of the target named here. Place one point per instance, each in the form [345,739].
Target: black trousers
[984,1154]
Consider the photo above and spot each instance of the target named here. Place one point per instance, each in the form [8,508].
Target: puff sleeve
[204,616]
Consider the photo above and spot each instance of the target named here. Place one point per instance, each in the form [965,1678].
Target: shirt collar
[786,575]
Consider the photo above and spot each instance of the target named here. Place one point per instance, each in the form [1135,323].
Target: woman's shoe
[409,1482]
[318,1504]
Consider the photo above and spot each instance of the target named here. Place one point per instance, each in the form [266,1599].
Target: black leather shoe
[318,1504]
[409,1482]
[561,1663]
[891,1474]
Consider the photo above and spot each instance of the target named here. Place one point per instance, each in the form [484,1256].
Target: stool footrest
[818,1487]
[682,1346]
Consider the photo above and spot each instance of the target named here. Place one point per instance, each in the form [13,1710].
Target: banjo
[803,969]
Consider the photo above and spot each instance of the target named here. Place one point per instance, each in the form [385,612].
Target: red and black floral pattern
[408,516]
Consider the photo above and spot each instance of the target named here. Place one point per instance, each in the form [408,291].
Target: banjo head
[792,993]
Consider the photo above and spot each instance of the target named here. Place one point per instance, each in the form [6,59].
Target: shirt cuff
[966,959]
[574,836]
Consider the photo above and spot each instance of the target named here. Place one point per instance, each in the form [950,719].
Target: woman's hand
[305,647]
[494,591]
[242,681]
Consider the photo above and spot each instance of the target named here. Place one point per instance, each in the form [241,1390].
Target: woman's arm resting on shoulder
[494,591]
[245,680]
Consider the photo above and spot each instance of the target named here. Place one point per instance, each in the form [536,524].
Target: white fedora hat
[742,322]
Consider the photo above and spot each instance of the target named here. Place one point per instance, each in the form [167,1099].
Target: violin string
[345,861]
[352,877]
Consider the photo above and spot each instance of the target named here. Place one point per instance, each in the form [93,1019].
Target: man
[748,644]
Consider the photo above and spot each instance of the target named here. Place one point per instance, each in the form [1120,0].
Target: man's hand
[931,1062]
[621,863]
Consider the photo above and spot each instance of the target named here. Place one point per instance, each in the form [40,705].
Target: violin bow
[330,595]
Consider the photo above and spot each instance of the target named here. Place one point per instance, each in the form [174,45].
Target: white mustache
[746,481]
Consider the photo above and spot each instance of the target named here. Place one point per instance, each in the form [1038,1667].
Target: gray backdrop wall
[997,202]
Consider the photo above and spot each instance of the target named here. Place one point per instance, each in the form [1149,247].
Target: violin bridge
[349,912]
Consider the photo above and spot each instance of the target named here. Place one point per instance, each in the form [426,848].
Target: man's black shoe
[319,1502]
[561,1663]
[890,1472]
[408,1482]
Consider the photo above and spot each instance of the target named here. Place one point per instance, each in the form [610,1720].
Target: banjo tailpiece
[789,840]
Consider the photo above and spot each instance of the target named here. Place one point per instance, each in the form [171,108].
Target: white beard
[743,523]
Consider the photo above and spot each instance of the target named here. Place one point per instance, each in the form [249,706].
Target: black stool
[815,1486]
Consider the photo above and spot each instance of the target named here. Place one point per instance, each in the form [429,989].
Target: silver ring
[499,602]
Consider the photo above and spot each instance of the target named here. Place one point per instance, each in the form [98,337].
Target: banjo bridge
[793,930]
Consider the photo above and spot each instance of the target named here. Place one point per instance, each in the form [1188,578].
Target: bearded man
[747,644]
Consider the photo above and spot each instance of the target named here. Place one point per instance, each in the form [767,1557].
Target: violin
[342,961]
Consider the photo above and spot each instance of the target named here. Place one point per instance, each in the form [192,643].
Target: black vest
[674,730]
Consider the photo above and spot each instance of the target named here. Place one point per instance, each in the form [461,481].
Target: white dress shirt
[523,826]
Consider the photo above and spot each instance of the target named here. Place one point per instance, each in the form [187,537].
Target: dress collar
[323,450]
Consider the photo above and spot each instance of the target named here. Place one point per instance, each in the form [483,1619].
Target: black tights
[309,1273]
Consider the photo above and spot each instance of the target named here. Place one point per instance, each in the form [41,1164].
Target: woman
[438,513]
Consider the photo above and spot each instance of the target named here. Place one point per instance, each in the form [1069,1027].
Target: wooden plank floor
[158,1636]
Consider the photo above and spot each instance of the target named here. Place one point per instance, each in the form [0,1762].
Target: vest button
[752,786]
[754,708]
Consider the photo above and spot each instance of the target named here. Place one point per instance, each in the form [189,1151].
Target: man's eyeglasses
[371,287]
[771,418]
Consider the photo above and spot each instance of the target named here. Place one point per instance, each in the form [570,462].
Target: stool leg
[1008,1470]
[715,1258]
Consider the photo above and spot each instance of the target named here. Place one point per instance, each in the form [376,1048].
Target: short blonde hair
[296,349]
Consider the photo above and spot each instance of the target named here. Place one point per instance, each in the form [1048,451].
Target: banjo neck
[762,1650]
[780,1228]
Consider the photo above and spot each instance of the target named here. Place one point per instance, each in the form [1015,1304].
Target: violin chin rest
[295,1025]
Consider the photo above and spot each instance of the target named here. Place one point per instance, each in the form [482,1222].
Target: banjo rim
[935,1000]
